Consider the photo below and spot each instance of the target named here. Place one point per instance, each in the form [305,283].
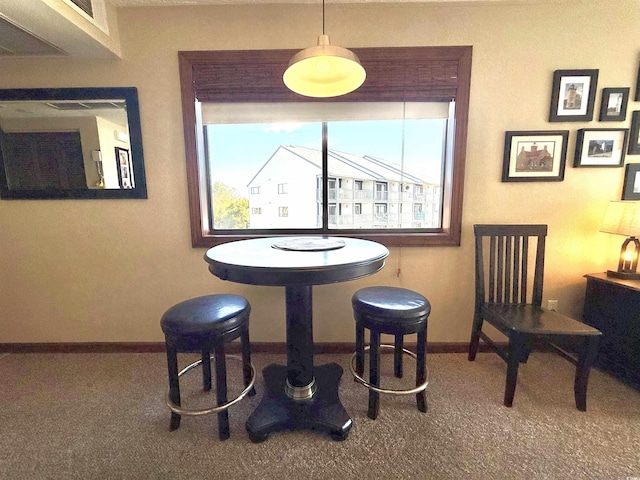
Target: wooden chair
[508,301]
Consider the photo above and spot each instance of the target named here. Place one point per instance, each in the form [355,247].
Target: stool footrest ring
[219,408]
[359,379]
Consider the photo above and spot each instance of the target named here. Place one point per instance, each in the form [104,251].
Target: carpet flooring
[102,416]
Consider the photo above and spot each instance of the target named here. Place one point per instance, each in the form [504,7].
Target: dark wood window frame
[393,74]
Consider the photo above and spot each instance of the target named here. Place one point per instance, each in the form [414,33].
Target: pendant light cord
[404,122]
[402,186]
[323,17]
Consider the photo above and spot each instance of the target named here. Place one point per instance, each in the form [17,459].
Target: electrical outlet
[552,305]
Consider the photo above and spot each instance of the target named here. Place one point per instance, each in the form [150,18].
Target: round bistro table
[298,395]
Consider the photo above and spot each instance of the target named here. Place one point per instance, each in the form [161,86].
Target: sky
[238,151]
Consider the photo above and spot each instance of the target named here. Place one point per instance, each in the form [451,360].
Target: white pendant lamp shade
[324,71]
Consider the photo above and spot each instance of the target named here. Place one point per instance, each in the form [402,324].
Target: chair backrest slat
[492,268]
[508,263]
[517,280]
[508,271]
[525,270]
[500,272]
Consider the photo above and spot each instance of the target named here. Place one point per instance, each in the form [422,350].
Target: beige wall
[105,270]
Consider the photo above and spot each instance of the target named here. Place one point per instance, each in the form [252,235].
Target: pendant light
[324,70]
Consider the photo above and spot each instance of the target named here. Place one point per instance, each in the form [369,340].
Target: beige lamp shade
[324,71]
[622,218]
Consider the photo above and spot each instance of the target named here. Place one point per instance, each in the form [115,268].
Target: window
[418,213]
[386,160]
[381,191]
[256,211]
[381,213]
[331,183]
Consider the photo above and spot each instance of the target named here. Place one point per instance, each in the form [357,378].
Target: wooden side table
[612,306]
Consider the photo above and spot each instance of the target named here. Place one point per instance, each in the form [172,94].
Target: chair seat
[536,320]
[206,315]
[392,303]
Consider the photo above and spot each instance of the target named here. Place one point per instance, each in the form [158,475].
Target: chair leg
[246,360]
[421,368]
[174,384]
[374,375]
[515,354]
[397,355]
[221,391]
[206,370]
[475,336]
[359,349]
[588,351]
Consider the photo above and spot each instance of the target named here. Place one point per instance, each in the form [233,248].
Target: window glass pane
[390,172]
[385,165]
[263,176]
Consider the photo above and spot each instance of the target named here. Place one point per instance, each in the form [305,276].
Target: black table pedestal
[300,396]
[323,411]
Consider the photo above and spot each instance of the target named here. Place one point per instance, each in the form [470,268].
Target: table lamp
[623,218]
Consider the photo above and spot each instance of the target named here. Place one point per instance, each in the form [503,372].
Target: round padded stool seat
[390,309]
[204,315]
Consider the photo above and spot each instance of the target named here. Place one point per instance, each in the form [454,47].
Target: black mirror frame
[130,96]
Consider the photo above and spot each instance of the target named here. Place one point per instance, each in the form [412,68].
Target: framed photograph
[634,138]
[573,95]
[631,188]
[613,106]
[125,168]
[600,147]
[537,156]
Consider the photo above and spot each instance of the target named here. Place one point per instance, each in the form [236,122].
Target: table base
[323,411]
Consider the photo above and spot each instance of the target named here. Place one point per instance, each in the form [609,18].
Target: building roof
[342,164]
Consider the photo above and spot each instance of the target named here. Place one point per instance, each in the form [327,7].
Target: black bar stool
[206,324]
[394,311]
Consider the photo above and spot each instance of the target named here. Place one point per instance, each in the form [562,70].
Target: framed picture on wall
[573,95]
[600,147]
[125,168]
[631,188]
[535,156]
[613,106]
[634,137]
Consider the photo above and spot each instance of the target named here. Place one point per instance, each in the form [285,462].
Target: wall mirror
[71,143]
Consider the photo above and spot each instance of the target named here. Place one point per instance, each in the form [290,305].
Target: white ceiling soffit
[17,41]
[53,28]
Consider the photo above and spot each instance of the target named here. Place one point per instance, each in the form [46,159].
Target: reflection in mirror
[71,143]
